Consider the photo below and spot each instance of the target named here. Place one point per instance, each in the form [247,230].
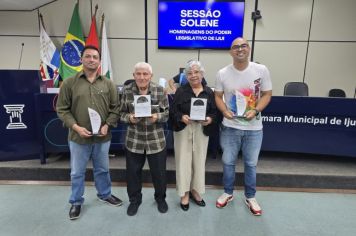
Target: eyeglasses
[237,47]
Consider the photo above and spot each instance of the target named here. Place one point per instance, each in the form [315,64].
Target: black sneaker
[74,212]
[112,200]
[133,208]
[162,206]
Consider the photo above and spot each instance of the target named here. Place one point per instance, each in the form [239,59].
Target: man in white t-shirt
[242,90]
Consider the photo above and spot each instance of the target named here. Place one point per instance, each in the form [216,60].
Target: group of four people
[145,135]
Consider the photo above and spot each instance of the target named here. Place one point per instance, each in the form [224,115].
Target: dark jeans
[134,165]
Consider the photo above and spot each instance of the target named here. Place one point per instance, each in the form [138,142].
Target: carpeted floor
[41,210]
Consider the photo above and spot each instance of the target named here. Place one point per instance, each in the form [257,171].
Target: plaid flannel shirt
[145,136]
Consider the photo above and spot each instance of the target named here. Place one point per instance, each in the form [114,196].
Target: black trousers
[134,165]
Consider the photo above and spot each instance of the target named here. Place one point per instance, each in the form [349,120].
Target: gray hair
[192,63]
[143,65]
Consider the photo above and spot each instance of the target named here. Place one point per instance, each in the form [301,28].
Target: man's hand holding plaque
[82,131]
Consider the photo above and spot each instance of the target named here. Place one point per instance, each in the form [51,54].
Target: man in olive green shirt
[87,89]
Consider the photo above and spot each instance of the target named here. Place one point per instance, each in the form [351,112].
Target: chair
[337,93]
[129,81]
[296,89]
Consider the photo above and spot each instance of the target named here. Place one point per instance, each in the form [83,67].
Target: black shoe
[199,203]
[74,212]
[112,200]
[185,207]
[162,206]
[132,209]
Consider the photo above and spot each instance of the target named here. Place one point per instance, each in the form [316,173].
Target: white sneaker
[253,206]
[223,200]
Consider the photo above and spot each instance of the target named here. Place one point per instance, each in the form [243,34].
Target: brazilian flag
[72,48]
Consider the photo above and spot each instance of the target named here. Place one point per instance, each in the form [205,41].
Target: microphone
[21,55]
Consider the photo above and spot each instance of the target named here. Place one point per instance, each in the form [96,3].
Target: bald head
[240,52]
[239,41]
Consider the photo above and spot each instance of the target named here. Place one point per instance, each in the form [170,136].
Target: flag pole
[96,9]
[41,19]
[101,27]
[38,20]
[94,16]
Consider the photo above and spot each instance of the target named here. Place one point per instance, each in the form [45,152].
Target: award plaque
[198,108]
[241,105]
[95,121]
[142,104]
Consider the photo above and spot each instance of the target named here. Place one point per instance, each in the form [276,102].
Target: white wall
[310,40]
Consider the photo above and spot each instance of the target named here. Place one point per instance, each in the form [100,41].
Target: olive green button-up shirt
[77,94]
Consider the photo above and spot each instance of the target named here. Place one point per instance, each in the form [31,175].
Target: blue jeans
[80,155]
[249,142]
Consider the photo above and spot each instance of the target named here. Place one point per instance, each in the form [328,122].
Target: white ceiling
[22,5]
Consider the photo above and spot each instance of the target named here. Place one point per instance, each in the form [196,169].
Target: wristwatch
[257,112]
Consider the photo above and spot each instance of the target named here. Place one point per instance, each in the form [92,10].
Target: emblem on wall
[15,111]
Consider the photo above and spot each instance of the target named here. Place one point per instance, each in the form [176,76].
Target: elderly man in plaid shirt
[145,138]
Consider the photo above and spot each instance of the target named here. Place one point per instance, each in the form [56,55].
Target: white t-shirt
[242,89]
